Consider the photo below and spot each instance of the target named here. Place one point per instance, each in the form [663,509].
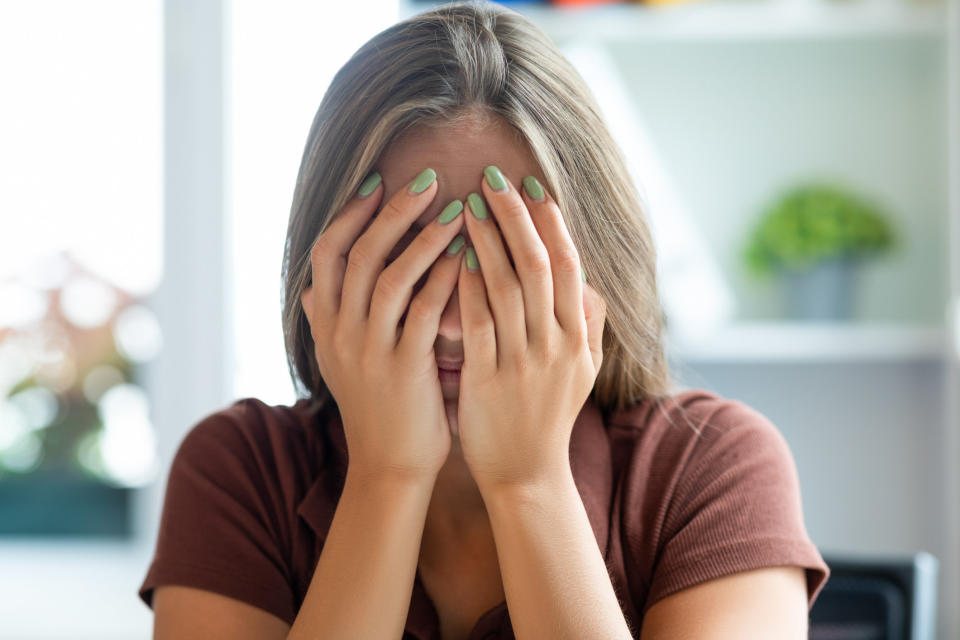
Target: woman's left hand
[532,354]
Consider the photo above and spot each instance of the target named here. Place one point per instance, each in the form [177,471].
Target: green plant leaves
[814,222]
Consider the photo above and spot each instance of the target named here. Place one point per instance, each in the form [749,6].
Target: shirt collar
[590,464]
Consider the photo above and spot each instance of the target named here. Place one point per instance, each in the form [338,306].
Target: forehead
[458,154]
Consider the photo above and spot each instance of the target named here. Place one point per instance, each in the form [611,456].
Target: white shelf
[813,342]
[733,20]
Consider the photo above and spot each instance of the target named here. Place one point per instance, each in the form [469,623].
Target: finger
[564,257]
[419,332]
[328,256]
[530,257]
[500,282]
[369,253]
[394,287]
[476,322]
[595,315]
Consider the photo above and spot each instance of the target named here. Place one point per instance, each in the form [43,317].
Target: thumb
[595,313]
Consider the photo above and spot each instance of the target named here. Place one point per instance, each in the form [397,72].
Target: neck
[456,502]
[456,506]
[456,517]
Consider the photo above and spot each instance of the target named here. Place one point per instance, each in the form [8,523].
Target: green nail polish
[477,206]
[583,275]
[495,179]
[533,188]
[455,244]
[369,184]
[423,180]
[472,262]
[450,212]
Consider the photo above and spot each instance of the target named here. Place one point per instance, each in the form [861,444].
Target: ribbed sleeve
[215,529]
[736,506]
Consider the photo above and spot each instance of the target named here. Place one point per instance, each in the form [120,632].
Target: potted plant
[812,237]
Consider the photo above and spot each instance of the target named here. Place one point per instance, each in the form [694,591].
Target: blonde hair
[462,62]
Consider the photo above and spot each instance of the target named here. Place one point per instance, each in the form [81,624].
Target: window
[283,57]
[81,249]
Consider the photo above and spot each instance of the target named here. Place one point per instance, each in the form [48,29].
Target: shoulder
[250,418]
[696,426]
[698,443]
[701,406]
[251,430]
[228,523]
[248,449]
[709,488]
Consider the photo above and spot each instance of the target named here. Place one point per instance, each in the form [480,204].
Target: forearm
[363,581]
[554,576]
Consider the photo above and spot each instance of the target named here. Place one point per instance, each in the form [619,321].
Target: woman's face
[458,155]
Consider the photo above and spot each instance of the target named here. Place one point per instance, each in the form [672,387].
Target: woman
[487,419]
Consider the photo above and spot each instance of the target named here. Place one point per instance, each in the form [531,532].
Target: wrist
[528,489]
[390,479]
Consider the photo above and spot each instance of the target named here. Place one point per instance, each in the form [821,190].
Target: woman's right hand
[384,379]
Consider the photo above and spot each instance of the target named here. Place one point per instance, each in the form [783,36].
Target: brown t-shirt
[253,488]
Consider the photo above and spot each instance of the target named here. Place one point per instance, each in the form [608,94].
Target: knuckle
[555,218]
[567,261]
[518,363]
[360,255]
[422,308]
[553,209]
[536,262]
[553,349]
[320,247]
[389,284]
[576,338]
[392,211]
[480,330]
[436,234]
[514,209]
[428,241]
[505,288]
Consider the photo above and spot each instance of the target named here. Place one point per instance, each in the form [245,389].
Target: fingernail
[422,181]
[450,212]
[369,184]
[533,188]
[495,179]
[472,263]
[455,244]
[477,206]
[583,275]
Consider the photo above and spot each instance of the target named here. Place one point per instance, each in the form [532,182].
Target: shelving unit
[735,20]
[740,20]
[761,342]
[896,26]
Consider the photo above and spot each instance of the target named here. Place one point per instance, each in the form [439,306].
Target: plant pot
[822,292]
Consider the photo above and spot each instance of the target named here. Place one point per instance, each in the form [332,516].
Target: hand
[530,365]
[384,381]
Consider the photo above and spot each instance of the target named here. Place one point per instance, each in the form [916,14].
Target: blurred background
[798,159]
